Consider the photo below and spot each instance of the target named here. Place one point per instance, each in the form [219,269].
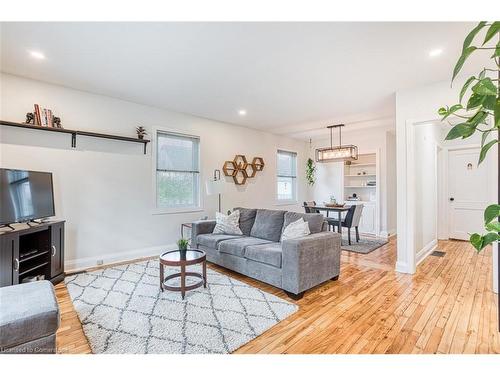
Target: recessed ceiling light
[435,52]
[37,55]
[242,112]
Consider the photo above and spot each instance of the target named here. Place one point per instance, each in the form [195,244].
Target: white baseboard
[387,234]
[426,250]
[76,265]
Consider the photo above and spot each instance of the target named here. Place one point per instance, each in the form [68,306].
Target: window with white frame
[287,176]
[177,171]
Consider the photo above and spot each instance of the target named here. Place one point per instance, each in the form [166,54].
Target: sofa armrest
[201,227]
[310,260]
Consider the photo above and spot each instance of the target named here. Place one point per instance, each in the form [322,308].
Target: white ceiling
[290,77]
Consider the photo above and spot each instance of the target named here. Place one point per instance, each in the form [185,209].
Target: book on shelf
[50,118]
[38,118]
[44,117]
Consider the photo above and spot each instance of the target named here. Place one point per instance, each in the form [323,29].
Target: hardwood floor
[447,307]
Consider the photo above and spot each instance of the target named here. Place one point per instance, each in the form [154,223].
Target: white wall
[427,140]
[391,191]
[103,189]
[421,105]
[329,176]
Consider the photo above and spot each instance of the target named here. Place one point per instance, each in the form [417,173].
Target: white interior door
[468,190]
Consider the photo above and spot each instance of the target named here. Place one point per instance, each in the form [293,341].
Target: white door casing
[468,192]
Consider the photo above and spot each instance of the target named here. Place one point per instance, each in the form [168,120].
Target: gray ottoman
[29,318]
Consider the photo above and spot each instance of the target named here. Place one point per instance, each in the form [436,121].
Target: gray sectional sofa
[294,265]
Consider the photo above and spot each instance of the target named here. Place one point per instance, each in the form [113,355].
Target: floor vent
[438,253]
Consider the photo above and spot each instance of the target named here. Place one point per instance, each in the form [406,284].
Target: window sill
[286,203]
[179,210]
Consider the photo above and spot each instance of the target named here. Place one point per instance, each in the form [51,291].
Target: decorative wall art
[240,169]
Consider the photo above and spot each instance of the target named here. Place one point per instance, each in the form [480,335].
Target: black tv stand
[32,251]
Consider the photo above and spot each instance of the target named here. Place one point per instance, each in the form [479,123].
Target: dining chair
[351,220]
[309,208]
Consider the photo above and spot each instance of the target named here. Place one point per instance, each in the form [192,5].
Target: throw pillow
[227,224]
[297,229]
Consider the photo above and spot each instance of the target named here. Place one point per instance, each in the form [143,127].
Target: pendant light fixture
[337,153]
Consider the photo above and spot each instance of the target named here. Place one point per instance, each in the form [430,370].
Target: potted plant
[310,171]
[183,244]
[480,112]
[141,132]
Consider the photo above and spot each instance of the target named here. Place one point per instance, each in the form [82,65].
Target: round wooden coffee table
[178,258]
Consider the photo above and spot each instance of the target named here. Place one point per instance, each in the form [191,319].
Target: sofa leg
[335,278]
[293,296]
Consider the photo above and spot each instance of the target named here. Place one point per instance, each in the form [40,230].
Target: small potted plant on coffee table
[183,244]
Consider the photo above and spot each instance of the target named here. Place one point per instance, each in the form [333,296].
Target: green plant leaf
[461,60]
[470,37]
[466,86]
[491,212]
[484,150]
[489,238]
[492,30]
[449,111]
[475,101]
[489,102]
[478,118]
[456,107]
[484,137]
[494,226]
[485,87]
[443,111]
[497,51]
[461,130]
[477,241]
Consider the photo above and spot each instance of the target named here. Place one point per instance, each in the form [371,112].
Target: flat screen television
[25,196]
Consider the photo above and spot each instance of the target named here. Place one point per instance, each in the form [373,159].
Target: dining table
[338,209]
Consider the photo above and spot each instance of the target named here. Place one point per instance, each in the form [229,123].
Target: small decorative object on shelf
[30,118]
[258,162]
[141,132]
[183,244]
[57,122]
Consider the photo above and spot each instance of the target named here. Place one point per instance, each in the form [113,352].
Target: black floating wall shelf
[75,133]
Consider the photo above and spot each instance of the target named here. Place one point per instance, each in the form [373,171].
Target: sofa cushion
[315,221]
[268,224]
[247,218]
[29,312]
[297,229]
[237,246]
[269,253]
[212,240]
[227,224]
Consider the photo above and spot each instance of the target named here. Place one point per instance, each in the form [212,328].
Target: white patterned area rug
[122,310]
